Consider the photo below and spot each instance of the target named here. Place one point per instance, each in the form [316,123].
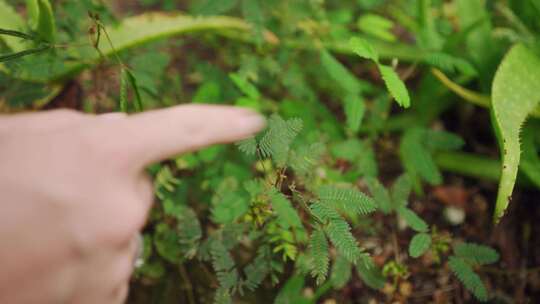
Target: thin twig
[188,286]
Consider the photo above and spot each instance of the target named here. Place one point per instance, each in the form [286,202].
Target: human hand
[74,194]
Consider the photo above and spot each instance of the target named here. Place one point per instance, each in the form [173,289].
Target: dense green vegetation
[375,108]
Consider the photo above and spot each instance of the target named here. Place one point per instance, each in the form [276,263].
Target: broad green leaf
[41,19]
[395,85]
[420,243]
[11,20]
[130,33]
[515,95]
[32,12]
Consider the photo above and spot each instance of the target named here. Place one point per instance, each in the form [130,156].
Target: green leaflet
[419,244]
[395,86]
[515,95]
[393,83]
[41,19]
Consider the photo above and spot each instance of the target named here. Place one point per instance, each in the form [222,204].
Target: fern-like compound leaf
[279,137]
[347,199]
[323,212]
[370,274]
[304,159]
[476,254]
[248,146]
[341,272]
[287,215]
[468,278]
[223,265]
[413,220]
[318,247]
[420,243]
[258,269]
[339,233]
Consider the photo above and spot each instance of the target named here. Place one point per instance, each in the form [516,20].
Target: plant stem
[473,165]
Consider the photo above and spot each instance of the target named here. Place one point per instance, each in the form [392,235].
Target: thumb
[157,135]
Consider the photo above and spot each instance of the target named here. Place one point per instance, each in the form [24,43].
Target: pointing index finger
[157,135]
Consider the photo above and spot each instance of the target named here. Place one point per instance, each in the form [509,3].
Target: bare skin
[73,194]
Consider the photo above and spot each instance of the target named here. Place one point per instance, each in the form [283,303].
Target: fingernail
[252,122]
